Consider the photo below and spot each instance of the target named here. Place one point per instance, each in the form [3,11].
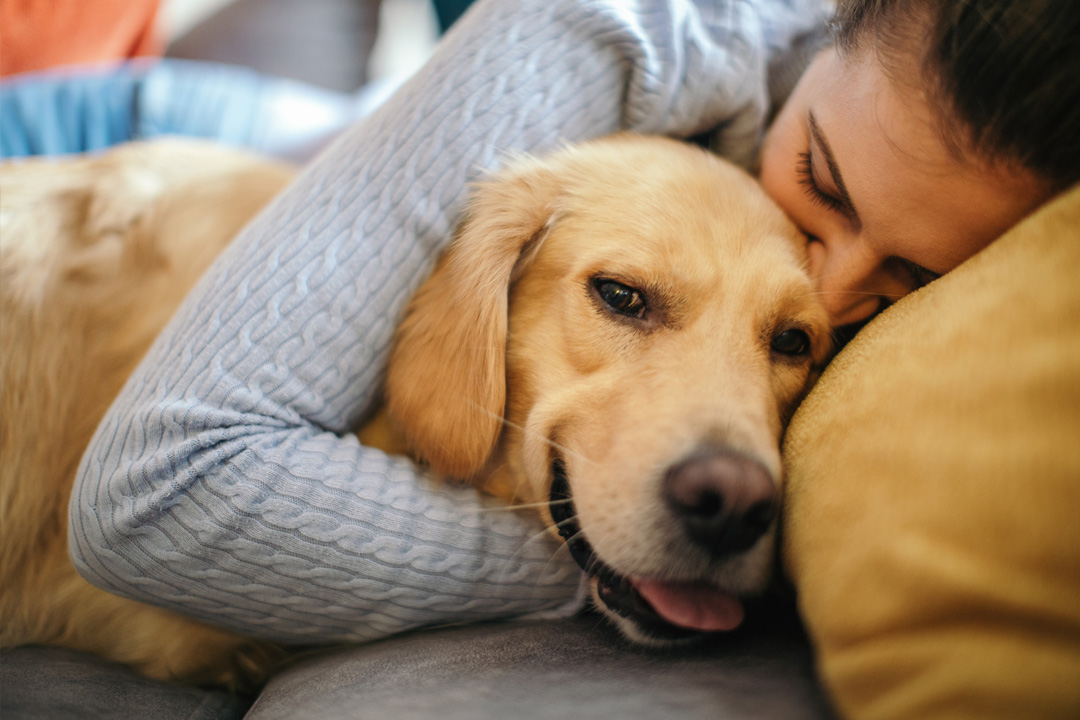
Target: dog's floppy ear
[446,383]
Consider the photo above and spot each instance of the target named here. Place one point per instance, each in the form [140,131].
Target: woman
[224,483]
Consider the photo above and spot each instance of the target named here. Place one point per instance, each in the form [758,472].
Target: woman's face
[854,158]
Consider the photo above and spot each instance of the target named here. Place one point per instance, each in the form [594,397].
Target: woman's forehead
[901,172]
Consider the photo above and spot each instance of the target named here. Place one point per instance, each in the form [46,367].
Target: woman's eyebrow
[830,161]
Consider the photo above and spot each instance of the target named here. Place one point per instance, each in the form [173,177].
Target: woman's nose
[853,282]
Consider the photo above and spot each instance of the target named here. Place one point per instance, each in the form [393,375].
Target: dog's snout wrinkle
[724,500]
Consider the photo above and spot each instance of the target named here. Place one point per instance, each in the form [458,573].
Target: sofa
[577,668]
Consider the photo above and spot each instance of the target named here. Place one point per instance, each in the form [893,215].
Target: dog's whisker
[571,519]
[520,480]
[560,547]
[576,536]
[891,296]
[592,565]
[525,431]
[525,506]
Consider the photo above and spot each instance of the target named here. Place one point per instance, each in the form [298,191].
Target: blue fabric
[45,114]
[84,109]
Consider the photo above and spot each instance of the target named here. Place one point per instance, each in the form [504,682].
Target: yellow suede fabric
[932,519]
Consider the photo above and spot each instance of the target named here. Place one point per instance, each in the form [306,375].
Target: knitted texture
[223,482]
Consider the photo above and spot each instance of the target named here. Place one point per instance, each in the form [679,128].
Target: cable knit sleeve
[223,483]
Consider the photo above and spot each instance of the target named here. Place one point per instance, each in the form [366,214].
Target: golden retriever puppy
[619,334]
[97,253]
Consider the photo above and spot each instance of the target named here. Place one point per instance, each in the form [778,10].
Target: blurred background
[66,85]
[336,44]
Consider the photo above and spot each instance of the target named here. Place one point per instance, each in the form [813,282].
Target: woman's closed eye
[804,168]
[824,184]
[920,276]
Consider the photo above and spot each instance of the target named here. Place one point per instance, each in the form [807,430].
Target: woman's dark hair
[1005,74]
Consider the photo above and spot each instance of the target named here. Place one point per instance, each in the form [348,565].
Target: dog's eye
[791,342]
[622,299]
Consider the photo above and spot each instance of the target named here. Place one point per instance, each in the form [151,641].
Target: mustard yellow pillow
[932,519]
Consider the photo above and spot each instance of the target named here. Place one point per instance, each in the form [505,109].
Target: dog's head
[621,331]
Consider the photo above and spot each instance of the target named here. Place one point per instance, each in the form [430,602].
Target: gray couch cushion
[568,669]
[54,684]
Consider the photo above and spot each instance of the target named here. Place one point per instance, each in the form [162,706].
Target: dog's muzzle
[616,592]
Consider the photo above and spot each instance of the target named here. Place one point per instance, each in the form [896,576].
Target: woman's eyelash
[805,170]
[919,274]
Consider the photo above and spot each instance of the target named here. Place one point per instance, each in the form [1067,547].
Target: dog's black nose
[724,499]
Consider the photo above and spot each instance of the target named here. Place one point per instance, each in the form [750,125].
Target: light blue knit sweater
[223,482]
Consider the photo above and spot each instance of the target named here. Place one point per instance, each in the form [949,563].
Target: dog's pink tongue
[692,605]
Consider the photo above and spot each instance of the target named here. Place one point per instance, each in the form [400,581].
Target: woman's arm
[224,483]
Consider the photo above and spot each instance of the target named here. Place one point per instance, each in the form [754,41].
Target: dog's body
[95,256]
[661,329]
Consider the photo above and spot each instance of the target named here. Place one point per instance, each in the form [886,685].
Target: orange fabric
[39,34]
